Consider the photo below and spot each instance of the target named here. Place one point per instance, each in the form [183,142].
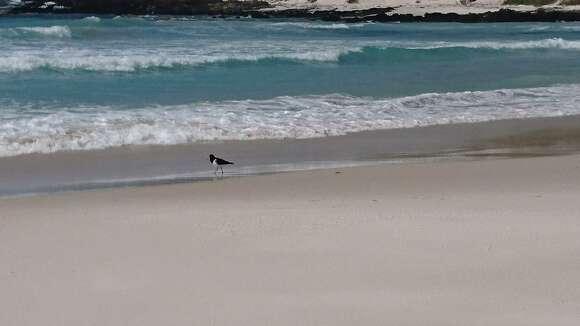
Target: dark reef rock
[262,9]
[143,7]
[386,15]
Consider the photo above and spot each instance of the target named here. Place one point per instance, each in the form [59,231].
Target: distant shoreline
[331,10]
[376,15]
[385,16]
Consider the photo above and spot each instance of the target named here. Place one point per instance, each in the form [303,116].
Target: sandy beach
[488,242]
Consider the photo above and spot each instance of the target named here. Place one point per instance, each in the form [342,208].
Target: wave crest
[132,60]
[92,19]
[551,43]
[310,25]
[88,128]
[122,63]
[57,31]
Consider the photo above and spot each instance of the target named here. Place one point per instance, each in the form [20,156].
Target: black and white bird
[218,162]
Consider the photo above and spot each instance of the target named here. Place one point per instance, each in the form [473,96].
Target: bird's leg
[216,170]
[222,170]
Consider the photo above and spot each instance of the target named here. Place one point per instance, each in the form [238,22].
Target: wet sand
[185,163]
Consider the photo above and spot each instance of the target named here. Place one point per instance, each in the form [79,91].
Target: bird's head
[211,157]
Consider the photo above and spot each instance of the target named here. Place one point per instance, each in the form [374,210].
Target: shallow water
[74,83]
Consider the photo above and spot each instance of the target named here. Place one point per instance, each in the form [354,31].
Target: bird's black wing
[221,161]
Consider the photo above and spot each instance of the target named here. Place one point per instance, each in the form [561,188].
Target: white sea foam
[84,128]
[136,62]
[552,43]
[51,31]
[129,61]
[92,19]
[311,25]
[133,59]
[538,28]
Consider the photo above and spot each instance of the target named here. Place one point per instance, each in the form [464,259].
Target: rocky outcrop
[264,9]
[141,7]
[387,15]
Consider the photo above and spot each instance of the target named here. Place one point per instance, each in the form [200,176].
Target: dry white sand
[413,7]
[493,242]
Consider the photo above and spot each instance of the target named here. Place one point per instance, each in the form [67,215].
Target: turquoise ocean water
[81,83]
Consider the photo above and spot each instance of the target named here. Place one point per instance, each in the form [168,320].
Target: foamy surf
[310,25]
[133,60]
[51,31]
[552,43]
[92,19]
[87,128]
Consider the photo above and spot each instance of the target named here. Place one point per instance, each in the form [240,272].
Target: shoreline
[373,15]
[152,165]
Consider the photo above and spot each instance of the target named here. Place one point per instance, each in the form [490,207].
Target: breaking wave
[87,128]
[309,25]
[552,43]
[122,62]
[57,31]
[131,60]
[92,19]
